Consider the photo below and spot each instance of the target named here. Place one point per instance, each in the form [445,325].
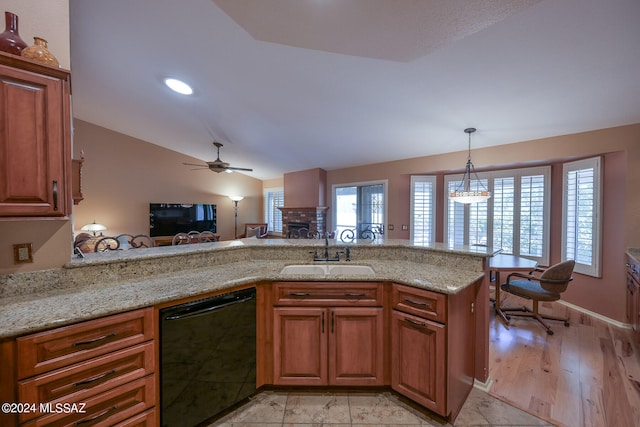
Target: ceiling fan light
[178,86]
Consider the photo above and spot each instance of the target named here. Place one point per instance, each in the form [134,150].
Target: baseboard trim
[484,386]
[596,315]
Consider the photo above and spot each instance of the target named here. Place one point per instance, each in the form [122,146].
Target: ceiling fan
[218,165]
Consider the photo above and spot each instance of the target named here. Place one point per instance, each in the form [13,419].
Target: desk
[503,262]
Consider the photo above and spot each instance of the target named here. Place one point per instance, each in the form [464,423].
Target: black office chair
[545,287]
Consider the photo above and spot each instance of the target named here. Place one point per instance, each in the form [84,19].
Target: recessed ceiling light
[178,86]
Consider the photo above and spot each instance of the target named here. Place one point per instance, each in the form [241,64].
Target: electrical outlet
[22,253]
[390,227]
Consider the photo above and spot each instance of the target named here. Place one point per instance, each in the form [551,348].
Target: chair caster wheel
[566,324]
[549,332]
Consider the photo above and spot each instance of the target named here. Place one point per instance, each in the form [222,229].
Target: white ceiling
[288,85]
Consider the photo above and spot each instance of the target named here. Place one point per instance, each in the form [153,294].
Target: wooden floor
[585,375]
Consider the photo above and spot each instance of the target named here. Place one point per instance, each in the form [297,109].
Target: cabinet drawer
[420,302]
[336,294]
[105,409]
[77,382]
[60,347]
[146,419]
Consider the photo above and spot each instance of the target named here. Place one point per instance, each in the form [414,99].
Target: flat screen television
[168,219]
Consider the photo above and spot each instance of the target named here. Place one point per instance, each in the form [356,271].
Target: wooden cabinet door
[300,346]
[34,144]
[356,346]
[418,360]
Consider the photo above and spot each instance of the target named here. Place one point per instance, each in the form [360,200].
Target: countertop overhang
[113,282]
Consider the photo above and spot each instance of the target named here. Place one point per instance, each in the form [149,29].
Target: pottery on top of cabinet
[10,40]
[39,52]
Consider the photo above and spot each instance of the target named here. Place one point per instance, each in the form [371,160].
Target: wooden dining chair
[539,285]
[258,230]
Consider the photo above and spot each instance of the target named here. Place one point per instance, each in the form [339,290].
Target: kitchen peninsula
[108,284]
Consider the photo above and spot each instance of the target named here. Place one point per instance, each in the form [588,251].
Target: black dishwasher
[207,357]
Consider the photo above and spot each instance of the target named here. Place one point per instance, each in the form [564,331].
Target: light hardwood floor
[585,375]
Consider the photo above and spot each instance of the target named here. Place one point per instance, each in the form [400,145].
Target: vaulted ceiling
[288,85]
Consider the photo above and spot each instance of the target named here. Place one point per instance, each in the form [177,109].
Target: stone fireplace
[312,218]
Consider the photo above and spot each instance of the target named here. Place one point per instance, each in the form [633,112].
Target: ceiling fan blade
[218,165]
[239,169]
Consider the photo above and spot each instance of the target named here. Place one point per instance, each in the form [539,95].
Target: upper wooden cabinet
[35,139]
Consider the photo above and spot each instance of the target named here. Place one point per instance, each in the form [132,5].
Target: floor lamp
[236,199]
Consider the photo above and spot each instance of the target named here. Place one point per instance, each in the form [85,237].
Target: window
[273,198]
[423,208]
[359,208]
[581,215]
[515,219]
[467,223]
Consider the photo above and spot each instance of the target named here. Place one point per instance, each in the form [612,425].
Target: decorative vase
[39,52]
[10,40]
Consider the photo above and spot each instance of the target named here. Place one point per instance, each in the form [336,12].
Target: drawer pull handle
[96,378]
[100,415]
[55,195]
[299,294]
[413,322]
[333,322]
[95,340]
[355,295]
[418,303]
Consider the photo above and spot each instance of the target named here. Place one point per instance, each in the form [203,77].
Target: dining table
[507,263]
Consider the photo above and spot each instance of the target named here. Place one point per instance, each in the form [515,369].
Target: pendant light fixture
[463,193]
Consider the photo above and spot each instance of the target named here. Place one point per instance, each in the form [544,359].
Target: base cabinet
[419,342]
[432,347]
[418,359]
[328,334]
[100,372]
[633,306]
[300,346]
[328,346]
[633,295]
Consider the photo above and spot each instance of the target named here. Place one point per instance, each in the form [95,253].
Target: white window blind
[423,209]
[504,214]
[514,220]
[581,215]
[273,198]
[532,216]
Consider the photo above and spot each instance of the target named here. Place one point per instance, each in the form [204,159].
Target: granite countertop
[634,253]
[65,304]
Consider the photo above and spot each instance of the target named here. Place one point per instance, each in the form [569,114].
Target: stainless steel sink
[324,270]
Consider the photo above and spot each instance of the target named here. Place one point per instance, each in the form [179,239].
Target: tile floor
[296,409]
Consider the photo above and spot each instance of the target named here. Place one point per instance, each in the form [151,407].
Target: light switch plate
[22,253]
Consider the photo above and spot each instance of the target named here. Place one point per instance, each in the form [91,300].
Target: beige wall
[122,175]
[45,19]
[621,216]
